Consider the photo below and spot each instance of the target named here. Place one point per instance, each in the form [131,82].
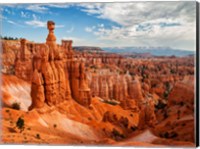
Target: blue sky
[143,24]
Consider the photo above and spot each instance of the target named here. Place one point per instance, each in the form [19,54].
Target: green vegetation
[160,105]
[9,38]
[134,128]
[172,71]
[165,94]
[117,135]
[7,110]
[110,102]
[169,135]
[16,106]
[20,124]
[93,67]
[54,125]
[38,136]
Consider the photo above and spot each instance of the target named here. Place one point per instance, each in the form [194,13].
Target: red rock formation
[78,82]
[57,75]
[182,92]
[48,81]
[23,64]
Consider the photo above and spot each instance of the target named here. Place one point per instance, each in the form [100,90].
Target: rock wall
[108,85]
[23,63]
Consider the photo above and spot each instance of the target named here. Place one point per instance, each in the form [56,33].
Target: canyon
[69,96]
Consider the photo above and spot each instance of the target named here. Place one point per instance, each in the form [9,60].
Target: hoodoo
[56,74]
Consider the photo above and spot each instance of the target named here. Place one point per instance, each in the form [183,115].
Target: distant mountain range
[154,51]
[87,49]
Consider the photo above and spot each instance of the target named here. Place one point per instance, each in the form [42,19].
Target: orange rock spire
[51,38]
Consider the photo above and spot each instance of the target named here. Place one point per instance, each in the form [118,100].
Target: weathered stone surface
[61,75]
[182,92]
[37,90]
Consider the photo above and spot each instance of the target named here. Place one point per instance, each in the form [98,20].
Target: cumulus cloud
[36,22]
[149,23]
[59,5]
[45,8]
[37,8]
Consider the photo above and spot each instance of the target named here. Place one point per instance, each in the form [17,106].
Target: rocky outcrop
[111,85]
[98,58]
[182,92]
[57,76]
[78,82]
[8,56]
[23,63]
[135,90]
[48,81]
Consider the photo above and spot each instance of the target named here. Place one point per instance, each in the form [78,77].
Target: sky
[139,24]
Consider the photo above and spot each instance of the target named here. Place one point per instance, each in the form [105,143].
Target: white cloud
[37,8]
[9,11]
[90,29]
[137,12]
[43,8]
[25,14]
[70,30]
[60,26]
[11,22]
[59,5]
[36,22]
[101,25]
[145,23]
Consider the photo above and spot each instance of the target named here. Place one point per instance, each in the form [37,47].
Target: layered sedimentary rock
[121,87]
[56,75]
[98,58]
[111,85]
[182,92]
[78,82]
[8,55]
[23,63]
[48,81]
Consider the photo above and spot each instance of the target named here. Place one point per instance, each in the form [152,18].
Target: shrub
[117,135]
[172,71]
[38,136]
[133,128]
[173,134]
[16,106]
[160,105]
[166,94]
[20,124]
[166,135]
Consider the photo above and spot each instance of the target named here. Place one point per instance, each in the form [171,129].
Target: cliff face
[113,87]
[54,73]
[23,63]
[9,55]
[108,85]
[182,92]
